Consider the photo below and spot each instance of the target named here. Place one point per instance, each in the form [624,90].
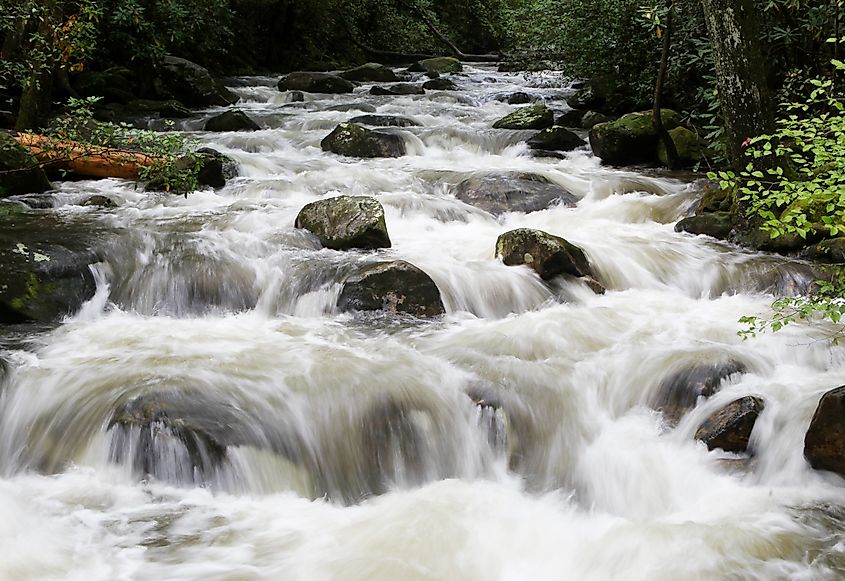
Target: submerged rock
[824,442]
[679,392]
[191,84]
[18,171]
[370,72]
[365,107]
[512,192]
[440,65]
[730,427]
[356,141]
[234,120]
[556,139]
[315,83]
[346,222]
[440,84]
[384,121]
[392,287]
[630,139]
[533,117]
[398,89]
[548,255]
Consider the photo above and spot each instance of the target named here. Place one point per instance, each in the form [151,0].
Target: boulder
[716,224]
[115,84]
[191,84]
[296,97]
[398,89]
[18,172]
[344,107]
[233,120]
[824,442]
[556,139]
[356,141]
[392,287]
[759,239]
[440,84]
[548,255]
[532,117]
[679,392]
[44,267]
[215,168]
[384,121]
[370,72]
[688,145]
[604,94]
[571,118]
[630,139]
[169,109]
[440,65]
[512,192]
[99,202]
[730,427]
[592,118]
[518,98]
[346,222]
[315,83]
[831,251]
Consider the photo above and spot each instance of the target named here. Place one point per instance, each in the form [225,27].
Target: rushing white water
[352,451]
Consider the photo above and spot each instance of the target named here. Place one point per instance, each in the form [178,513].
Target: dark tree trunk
[37,94]
[740,72]
[671,151]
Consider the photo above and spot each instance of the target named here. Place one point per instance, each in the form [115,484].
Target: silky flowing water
[354,452]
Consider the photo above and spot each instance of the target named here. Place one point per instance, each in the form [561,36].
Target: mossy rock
[355,141]
[688,145]
[191,84]
[571,118]
[370,72]
[384,121]
[830,251]
[23,176]
[556,139]
[532,117]
[759,239]
[396,287]
[630,139]
[345,222]
[730,427]
[716,224]
[548,255]
[715,199]
[440,65]
[593,118]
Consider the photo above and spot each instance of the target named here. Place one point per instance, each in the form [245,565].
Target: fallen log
[87,160]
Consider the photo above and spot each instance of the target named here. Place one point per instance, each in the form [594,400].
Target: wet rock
[630,139]
[114,84]
[392,287]
[18,174]
[715,224]
[556,139]
[730,427]
[548,255]
[365,107]
[518,98]
[688,145]
[171,108]
[296,97]
[398,89]
[233,120]
[604,94]
[44,267]
[346,222]
[824,442]
[215,168]
[440,84]
[191,84]
[831,251]
[512,192]
[315,83]
[370,72]
[759,239]
[533,117]
[679,392]
[99,202]
[384,121]
[571,118]
[592,118]
[356,141]
[440,65]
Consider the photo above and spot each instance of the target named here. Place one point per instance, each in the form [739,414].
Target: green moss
[531,117]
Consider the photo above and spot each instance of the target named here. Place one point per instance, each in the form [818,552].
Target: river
[354,452]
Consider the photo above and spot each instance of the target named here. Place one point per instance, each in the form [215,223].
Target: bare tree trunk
[671,151]
[740,72]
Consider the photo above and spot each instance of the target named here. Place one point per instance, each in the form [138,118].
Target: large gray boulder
[191,84]
[356,141]
[315,83]
[512,192]
[532,117]
[346,222]
[396,287]
[730,427]
[18,171]
[439,65]
[370,72]
[824,442]
[548,255]
[630,139]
